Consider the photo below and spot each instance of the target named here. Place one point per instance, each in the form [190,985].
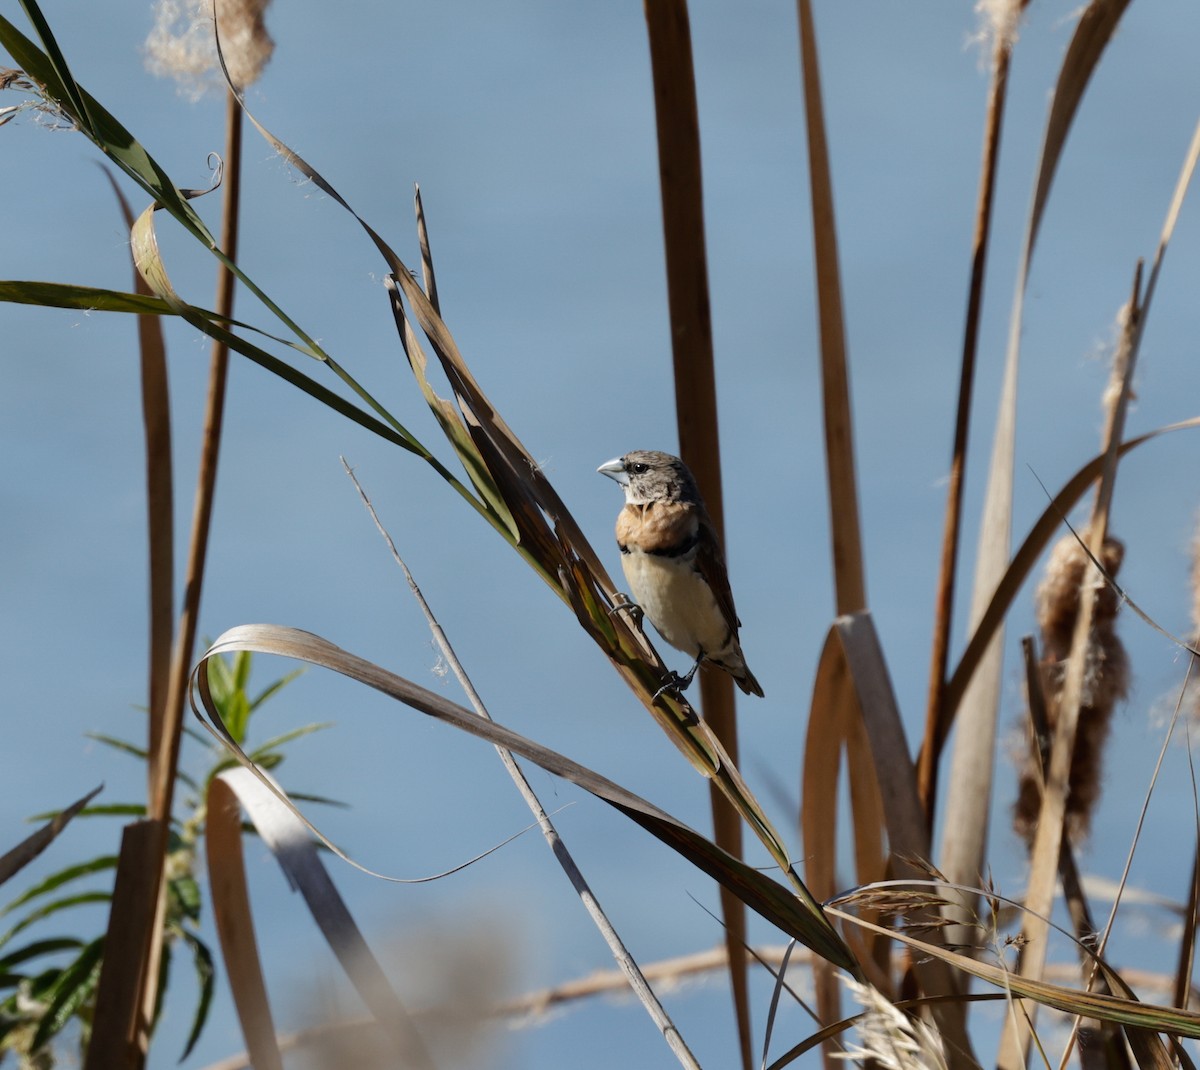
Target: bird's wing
[710,563]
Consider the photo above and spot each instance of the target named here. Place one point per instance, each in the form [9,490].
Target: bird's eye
[638,468]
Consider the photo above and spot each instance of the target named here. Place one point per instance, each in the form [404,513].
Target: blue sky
[530,128]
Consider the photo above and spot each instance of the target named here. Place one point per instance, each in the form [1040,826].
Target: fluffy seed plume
[1105,681]
[887,1037]
[182,43]
[999,20]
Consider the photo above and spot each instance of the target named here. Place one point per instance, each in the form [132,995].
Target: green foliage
[49,982]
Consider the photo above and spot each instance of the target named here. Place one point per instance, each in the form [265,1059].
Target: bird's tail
[747,682]
[734,664]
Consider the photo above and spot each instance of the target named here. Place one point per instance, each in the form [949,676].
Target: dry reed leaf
[1095,28]
[17,858]
[782,906]
[1124,1009]
[853,680]
[831,718]
[848,569]
[235,924]
[296,853]
[448,418]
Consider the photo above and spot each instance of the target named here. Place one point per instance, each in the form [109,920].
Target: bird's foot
[677,683]
[625,604]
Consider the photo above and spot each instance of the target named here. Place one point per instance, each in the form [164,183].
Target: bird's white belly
[678,602]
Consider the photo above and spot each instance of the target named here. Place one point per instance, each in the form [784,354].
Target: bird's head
[651,476]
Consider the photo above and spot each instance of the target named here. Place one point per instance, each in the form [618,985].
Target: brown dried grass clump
[1105,681]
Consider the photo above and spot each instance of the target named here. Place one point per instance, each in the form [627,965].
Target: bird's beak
[615,469]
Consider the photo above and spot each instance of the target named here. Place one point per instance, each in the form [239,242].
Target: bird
[673,562]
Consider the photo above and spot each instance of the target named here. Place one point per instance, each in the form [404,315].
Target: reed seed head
[183,45]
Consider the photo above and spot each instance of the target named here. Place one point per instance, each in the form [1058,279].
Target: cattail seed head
[1105,679]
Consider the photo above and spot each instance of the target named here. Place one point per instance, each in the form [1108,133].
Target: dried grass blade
[682,189]
[516,472]
[448,417]
[848,568]
[791,909]
[1096,26]
[1124,1010]
[826,734]
[17,858]
[1183,183]
[428,278]
[235,924]
[862,689]
[297,856]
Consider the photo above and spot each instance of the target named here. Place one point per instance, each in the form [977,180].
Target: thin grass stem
[624,959]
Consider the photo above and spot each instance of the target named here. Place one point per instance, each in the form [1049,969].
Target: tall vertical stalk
[164,758]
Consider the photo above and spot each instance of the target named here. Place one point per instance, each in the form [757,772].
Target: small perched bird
[674,564]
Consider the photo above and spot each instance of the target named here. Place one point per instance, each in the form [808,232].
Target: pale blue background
[530,128]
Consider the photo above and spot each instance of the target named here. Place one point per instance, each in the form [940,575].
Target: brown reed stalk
[123,1034]
[681,183]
